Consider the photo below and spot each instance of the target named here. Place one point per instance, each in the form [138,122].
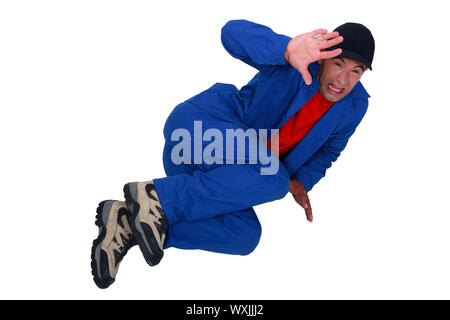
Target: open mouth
[335,90]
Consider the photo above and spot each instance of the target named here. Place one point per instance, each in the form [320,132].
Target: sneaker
[148,221]
[114,240]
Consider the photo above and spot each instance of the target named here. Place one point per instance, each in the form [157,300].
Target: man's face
[338,76]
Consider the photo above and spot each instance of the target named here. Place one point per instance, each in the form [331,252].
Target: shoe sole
[143,233]
[101,220]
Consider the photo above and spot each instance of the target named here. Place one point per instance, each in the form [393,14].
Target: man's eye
[356,71]
[338,64]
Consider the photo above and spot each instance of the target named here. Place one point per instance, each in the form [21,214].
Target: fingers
[329,54]
[306,75]
[307,207]
[318,33]
[309,215]
[330,43]
[327,36]
[301,202]
[308,204]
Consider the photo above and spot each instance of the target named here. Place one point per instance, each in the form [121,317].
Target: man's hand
[309,47]
[301,197]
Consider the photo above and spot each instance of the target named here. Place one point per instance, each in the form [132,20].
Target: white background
[85,89]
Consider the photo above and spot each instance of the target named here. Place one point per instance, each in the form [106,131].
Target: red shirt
[301,122]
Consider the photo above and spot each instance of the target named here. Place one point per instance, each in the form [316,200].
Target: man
[307,87]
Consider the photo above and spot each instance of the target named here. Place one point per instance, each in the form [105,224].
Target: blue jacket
[275,94]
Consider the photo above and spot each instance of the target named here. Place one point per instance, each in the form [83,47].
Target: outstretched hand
[309,47]
[301,197]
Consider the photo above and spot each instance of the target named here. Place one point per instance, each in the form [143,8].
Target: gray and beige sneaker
[148,221]
[113,242]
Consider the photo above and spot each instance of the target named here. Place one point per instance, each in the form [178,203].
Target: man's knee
[276,185]
[179,118]
[250,241]
[283,182]
[248,238]
[172,123]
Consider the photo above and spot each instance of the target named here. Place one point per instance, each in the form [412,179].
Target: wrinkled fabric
[275,94]
[210,206]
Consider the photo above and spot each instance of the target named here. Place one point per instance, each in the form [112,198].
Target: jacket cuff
[304,180]
[280,49]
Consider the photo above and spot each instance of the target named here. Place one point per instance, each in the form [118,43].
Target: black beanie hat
[358,43]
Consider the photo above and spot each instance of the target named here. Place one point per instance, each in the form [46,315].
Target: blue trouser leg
[233,233]
[209,207]
[225,189]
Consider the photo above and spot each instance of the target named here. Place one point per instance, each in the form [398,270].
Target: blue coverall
[209,206]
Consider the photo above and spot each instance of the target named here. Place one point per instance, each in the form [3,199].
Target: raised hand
[309,47]
[301,197]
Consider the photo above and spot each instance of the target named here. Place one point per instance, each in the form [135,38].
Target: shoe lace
[158,214]
[124,240]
